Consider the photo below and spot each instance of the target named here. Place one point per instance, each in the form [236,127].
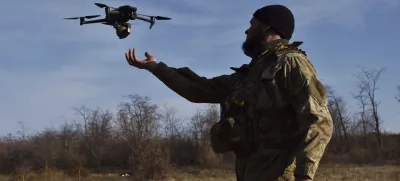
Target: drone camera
[123,30]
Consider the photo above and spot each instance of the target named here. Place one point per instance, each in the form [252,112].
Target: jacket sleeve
[192,87]
[309,100]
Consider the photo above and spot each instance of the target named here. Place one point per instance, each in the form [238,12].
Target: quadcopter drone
[118,18]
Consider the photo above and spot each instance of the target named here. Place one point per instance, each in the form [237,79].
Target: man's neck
[271,38]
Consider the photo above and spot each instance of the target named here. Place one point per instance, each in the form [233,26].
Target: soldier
[274,109]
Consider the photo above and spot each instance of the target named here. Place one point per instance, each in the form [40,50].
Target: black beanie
[279,17]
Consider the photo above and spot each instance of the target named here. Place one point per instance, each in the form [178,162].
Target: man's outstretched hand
[147,64]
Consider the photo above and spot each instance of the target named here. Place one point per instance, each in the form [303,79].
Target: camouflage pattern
[274,112]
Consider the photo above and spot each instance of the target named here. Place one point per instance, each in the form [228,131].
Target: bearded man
[274,113]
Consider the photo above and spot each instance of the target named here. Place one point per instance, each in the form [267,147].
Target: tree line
[143,139]
[358,136]
[149,140]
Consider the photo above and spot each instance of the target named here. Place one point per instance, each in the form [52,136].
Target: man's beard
[251,46]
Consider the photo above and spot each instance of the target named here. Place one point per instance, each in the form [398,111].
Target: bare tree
[172,125]
[196,127]
[202,121]
[337,107]
[137,119]
[364,123]
[100,133]
[97,132]
[71,156]
[368,86]
[23,131]
[46,146]
[85,115]
[68,135]
[137,122]
[355,127]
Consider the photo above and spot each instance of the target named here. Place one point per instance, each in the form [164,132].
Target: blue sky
[49,65]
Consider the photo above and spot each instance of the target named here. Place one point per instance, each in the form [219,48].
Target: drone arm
[151,20]
[95,21]
[144,19]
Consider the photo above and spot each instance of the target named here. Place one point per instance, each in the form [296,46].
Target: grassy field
[325,173]
[358,173]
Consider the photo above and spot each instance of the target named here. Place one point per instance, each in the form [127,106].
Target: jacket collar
[265,47]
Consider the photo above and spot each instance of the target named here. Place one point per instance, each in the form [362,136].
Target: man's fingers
[128,59]
[147,54]
[134,56]
[130,55]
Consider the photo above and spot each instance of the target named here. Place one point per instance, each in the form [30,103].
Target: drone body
[118,18]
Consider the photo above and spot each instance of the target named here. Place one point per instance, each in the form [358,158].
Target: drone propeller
[103,6]
[87,17]
[157,17]
[100,5]
[161,18]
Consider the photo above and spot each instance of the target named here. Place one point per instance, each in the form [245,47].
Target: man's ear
[265,30]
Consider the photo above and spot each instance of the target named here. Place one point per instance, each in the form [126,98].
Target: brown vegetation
[149,142]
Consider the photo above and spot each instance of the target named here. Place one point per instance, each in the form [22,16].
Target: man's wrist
[152,66]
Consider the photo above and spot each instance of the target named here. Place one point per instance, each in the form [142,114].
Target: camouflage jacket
[284,103]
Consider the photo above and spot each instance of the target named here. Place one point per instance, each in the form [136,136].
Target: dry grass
[193,174]
[358,173]
[325,173]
